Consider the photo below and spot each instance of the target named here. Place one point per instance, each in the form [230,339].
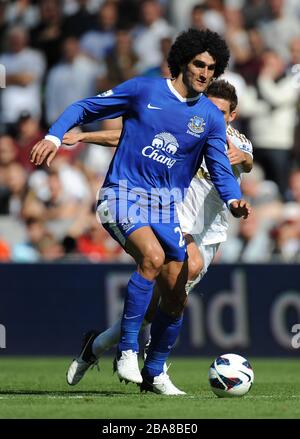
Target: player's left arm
[104,138]
[239,157]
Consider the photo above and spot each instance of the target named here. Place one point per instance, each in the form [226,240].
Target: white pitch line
[43,396]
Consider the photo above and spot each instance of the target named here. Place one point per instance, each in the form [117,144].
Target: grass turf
[32,388]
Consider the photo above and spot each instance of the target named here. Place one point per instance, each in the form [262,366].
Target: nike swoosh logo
[133,317]
[151,107]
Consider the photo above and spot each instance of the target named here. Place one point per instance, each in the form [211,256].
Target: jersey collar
[178,95]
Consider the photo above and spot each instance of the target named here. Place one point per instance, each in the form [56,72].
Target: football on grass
[230,375]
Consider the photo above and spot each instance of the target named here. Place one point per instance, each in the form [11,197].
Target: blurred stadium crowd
[58,51]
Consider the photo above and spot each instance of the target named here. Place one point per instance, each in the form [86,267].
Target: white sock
[109,338]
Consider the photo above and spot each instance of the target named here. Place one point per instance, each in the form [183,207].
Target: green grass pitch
[36,388]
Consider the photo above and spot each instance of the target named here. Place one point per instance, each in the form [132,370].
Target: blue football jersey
[164,136]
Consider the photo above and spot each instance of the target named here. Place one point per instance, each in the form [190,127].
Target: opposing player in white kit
[203,218]
[203,215]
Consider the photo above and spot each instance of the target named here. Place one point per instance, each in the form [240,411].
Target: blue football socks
[138,297]
[164,332]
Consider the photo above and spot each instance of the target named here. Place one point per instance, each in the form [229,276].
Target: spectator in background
[163,68]
[85,240]
[16,184]
[3,24]
[252,244]
[96,244]
[286,235]
[80,21]
[295,65]
[128,13]
[165,46]
[74,183]
[208,15]
[22,12]
[214,16]
[294,47]
[8,154]
[74,78]
[256,13]
[263,195]
[236,36]
[148,36]
[50,248]
[25,68]
[59,195]
[28,130]
[47,35]
[197,16]
[27,251]
[180,13]
[60,205]
[250,67]
[258,190]
[265,198]
[121,61]
[95,162]
[97,43]
[273,118]
[294,186]
[32,206]
[280,29]
[56,206]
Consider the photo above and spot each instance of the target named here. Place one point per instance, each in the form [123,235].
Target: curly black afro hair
[192,42]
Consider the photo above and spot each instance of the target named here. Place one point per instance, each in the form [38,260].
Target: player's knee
[195,267]
[157,260]
[153,260]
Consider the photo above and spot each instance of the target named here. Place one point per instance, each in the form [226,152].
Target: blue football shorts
[121,216]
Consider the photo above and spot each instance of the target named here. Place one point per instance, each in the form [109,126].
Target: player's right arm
[238,157]
[104,138]
[220,169]
[109,105]
[240,149]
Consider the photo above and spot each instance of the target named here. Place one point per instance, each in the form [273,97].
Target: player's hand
[235,155]
[72,138]
[43,150]
[240,208]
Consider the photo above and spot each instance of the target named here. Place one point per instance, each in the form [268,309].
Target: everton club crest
[196,126]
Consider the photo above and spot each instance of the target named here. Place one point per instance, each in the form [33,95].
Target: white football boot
[84,361]
[160,384]
[127,367]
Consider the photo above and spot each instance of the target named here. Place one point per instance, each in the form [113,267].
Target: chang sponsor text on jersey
[163,148]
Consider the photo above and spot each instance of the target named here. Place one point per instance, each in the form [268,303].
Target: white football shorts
[208,253]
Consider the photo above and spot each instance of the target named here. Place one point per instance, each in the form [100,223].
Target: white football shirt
[202,212]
